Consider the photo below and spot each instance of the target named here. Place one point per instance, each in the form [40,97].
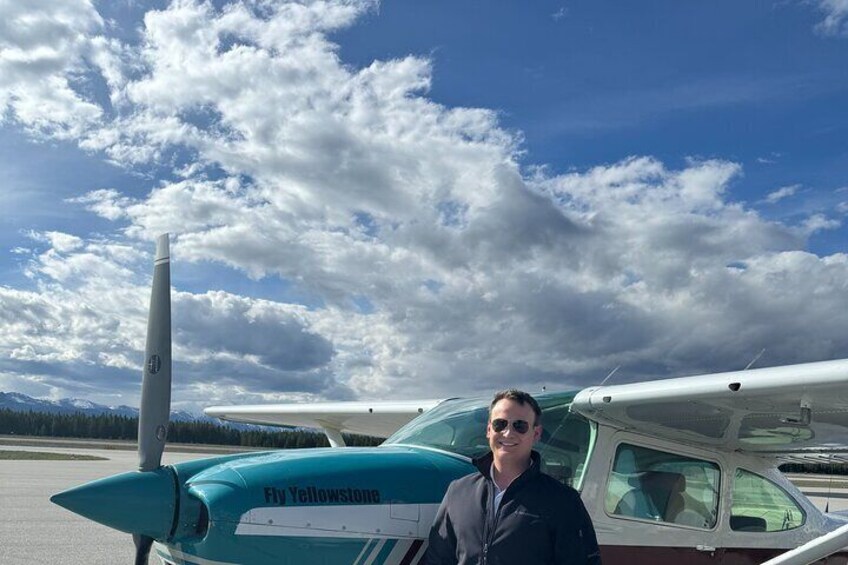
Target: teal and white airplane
[674,471]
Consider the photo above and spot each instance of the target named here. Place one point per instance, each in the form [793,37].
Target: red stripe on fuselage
[648,555]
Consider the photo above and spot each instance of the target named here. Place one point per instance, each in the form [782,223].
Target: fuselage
[651,501]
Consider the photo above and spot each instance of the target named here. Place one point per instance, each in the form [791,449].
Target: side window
[565,444]
[663,487]
[759,505]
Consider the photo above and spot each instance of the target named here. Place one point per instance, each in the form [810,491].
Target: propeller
[150,497]
[155,409]
[142,548]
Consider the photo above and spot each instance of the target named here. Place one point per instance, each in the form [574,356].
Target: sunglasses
[520,426]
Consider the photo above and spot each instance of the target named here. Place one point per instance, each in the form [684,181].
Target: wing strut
[334,435]
[813,550]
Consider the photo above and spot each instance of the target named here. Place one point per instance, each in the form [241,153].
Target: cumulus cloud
[46,50]
[83,329]
[434,265]
[835,17]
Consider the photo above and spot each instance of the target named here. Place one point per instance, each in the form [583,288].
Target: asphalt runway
[35,531]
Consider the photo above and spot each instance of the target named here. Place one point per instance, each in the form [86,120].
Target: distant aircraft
[673,471]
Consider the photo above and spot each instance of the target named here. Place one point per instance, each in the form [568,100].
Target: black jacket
[540,521]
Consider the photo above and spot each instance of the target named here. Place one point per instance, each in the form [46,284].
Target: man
[509,512]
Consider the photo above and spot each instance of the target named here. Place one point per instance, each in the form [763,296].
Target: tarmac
[35,531]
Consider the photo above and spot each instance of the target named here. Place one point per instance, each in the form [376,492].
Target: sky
[410,199]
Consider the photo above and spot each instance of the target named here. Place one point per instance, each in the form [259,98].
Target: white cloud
[782,192]
[43,48]
[60,242]
[104,202]
[431,263]
[86,321]
[836,17]
[818,222]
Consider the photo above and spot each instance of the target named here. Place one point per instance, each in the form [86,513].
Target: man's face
[508,444]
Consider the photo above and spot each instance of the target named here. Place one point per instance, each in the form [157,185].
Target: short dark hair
[520,397]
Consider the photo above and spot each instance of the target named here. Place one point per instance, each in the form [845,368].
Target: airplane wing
[797,412]
[378,419]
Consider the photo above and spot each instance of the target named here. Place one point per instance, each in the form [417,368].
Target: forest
[111,426]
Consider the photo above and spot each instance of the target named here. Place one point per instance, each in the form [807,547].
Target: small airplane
[681,470]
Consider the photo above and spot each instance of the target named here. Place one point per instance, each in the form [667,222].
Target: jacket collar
[484,465]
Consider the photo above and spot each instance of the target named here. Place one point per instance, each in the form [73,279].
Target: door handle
[707,548]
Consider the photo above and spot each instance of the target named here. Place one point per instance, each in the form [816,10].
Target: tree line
[815,468]
[113,426]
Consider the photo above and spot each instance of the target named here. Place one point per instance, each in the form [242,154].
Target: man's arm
[576,542]
[441,548]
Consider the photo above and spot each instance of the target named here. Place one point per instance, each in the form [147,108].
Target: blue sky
[411,199]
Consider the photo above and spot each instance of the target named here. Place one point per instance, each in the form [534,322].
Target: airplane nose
[135,502]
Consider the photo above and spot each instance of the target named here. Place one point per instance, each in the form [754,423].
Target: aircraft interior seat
[747,524]
[694,513]
[659,496]
[635,504]
[665,489]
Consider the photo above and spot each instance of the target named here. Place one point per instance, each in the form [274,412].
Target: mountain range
[22,403]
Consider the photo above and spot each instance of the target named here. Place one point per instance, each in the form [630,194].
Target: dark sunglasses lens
[521,426]
[499,424]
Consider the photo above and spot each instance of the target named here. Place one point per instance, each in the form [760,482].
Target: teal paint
[384,553]
[366,551]
[135,502]
[236,485]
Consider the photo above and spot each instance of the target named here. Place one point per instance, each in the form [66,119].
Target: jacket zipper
[491,530]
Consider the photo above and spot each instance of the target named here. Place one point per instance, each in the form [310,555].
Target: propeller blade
[155,407]
[142,548]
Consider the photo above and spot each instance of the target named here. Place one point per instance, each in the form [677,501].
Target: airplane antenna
[755,359]
[611,373]
[829,483]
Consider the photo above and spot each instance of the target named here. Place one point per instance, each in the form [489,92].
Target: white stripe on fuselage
[362,553]
[404,521]
[376,552]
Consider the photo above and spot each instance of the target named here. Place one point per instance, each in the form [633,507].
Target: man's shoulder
[468,481]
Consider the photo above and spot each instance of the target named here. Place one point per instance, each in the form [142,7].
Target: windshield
[459,426]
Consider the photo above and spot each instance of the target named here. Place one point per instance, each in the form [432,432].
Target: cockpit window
[459,426]
[567,439]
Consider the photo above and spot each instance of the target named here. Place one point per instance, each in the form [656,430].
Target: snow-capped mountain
[23,403]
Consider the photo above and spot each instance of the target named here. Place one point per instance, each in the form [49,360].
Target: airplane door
[660,507]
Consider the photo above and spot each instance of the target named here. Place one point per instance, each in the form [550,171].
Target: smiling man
[508,511]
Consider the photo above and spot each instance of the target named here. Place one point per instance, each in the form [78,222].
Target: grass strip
[43,455]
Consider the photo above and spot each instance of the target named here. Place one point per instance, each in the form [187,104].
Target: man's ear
[537,433]
[488,430]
